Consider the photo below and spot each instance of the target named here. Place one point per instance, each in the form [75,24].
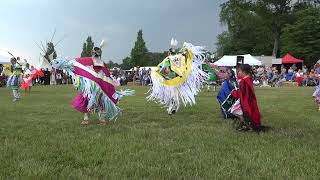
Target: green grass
[41,136]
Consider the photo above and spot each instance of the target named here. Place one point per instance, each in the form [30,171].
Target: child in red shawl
[246,107]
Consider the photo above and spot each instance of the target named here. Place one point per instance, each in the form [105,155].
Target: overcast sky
[25,22]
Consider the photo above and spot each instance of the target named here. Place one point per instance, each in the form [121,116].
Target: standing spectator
[53,77]
[59,76]
[42,78]
[143,77]
[65,77]
[26,74]
[149,76]
[46,77]
[141,73]
[136,75]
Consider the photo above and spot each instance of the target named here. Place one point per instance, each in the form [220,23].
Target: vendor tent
[231,61]
[289,59]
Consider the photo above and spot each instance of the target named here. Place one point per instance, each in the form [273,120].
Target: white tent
[4,60]
[44,64]
[277,61]
[231,61]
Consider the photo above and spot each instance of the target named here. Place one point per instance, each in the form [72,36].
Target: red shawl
[248,101]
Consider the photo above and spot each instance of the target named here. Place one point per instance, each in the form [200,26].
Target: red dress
[248,102]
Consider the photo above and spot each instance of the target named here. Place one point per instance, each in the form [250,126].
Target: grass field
[41,136]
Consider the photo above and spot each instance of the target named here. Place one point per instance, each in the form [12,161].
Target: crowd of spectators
[263,76]
[53,77]
[139,76]
[275,76]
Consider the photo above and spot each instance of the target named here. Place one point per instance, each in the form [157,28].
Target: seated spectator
[312,74]
[269,73]
[282,79]
[299,77]
[290,75]
[304,69]
[313,81]
[275,78]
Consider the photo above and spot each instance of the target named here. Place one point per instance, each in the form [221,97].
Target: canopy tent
[289,59]
[231,61]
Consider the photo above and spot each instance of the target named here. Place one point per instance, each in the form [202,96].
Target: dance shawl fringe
[185,91]
[91,90]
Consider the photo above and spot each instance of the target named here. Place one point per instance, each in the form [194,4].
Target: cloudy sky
[25,22]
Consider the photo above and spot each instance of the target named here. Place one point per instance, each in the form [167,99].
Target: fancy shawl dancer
[29,74]
[96,88]
[14,73]
[224,97]
[245,106]
[179,77]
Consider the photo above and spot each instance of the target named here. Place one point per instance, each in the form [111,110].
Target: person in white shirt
[299,77]
[26,74]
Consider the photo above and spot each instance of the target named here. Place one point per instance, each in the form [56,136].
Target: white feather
[102,44]
[174,43]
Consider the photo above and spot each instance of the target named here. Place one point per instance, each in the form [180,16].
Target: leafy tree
[111,64]
[224,44]
[275,13]
[259,27]
[50,50]
[126,64]
[139,54]
[247,32]
[87,47]
[156,58]
[302,38]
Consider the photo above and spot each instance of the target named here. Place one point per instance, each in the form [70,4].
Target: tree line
[270,27]
[139,56]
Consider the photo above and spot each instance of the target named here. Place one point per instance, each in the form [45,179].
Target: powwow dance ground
[41,136]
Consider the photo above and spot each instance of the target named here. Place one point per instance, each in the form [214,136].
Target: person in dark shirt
[47,77]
